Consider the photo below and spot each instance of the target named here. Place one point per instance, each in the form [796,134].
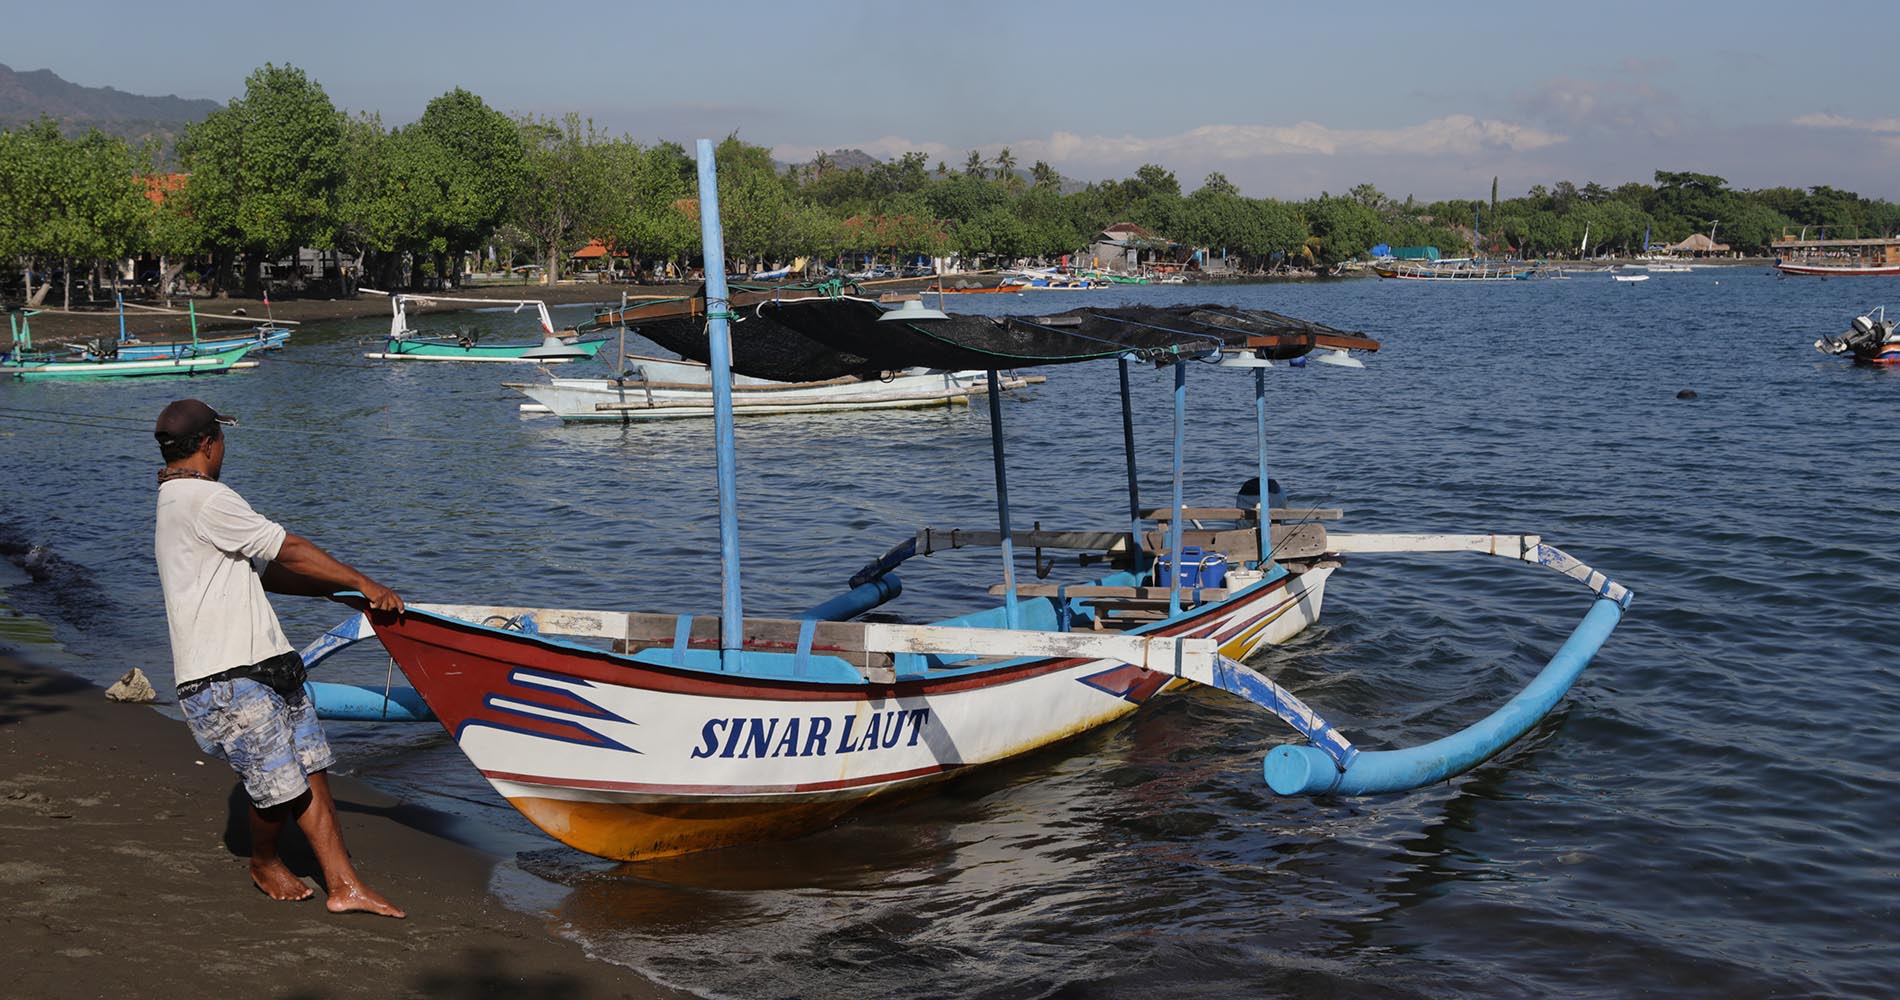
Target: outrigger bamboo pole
[1128,452]
[1010,612]
[719,342]
[1266,499]
[1175,525]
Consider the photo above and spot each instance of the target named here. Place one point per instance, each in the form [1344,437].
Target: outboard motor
[1863,337]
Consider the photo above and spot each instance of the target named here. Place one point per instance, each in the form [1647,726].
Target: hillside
[25,96]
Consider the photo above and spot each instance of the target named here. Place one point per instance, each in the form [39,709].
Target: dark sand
[123,873]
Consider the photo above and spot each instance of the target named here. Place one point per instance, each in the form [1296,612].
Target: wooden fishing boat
[1871,339]
[661,389]
[636,735]
[207,363]
[405,344]
[23,361]
[1464,270]
[263,337]
[1839,258]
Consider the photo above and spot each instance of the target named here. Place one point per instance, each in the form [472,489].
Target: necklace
[167,474]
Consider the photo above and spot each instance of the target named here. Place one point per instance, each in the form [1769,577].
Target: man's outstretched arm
[302,569]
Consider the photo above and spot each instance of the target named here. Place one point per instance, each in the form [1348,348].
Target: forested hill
[25,96]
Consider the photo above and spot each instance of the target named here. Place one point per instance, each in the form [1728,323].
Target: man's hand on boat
[305,570]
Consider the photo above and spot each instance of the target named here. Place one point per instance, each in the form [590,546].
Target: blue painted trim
[719,351]
[801,659]
[1304,770]
[682,639]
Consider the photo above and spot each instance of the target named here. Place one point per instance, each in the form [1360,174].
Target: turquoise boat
[553,348]
[202,363]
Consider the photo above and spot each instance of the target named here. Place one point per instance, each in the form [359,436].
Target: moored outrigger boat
[404,344]
[662,389]
[1870,339]
[632,736]
[25,362]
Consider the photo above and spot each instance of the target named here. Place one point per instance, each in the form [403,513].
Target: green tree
[564,185]
[265,169]
[473,165]
[68,202]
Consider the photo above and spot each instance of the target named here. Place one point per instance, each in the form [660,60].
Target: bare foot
[360,899]
[277,882]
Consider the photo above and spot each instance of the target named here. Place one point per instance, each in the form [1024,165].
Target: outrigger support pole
[1134,484]
[719,343]
[1266,498]
[1175,525]
[1011,616]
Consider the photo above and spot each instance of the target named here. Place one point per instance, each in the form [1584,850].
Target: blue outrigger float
[632,735]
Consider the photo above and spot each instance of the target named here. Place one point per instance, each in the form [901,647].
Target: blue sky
[1425,99]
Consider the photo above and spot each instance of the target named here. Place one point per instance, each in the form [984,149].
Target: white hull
[675,390]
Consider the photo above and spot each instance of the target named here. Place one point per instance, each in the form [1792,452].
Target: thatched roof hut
[1698,243]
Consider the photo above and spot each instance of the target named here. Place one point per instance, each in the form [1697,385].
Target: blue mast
[719,344]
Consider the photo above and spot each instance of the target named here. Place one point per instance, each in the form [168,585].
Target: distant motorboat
[1870,339]
[1629,277]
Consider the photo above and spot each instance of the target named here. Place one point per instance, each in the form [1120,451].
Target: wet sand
[123,873]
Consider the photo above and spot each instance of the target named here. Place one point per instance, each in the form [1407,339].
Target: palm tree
[973,166]
[1045,175]
[821,165]
[1006,165]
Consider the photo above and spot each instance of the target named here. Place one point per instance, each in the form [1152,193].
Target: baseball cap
[184,419]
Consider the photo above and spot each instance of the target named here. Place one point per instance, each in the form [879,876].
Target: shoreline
[54,326]
[124,872]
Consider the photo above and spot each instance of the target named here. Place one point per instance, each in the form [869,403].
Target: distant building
[1124,246]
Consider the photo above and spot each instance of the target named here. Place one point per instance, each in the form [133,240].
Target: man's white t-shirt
[211,548]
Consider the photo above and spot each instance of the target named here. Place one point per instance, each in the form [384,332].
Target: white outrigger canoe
[663,389]
[635,735]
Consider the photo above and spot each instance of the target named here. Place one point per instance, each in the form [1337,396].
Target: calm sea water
[1711,812]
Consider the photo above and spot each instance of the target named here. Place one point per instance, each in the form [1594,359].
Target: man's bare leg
[267,869]
[316,816]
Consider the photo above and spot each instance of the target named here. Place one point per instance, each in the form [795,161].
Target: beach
[100,319]
[122,873]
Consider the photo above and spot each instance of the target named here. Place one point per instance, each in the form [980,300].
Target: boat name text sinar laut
[754,736]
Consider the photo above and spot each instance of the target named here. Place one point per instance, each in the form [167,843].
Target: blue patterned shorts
[272,743]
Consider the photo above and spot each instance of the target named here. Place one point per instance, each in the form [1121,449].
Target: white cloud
[1824,119]
[1451,135]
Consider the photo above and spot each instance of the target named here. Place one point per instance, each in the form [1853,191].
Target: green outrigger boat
[404,344]
[24,362]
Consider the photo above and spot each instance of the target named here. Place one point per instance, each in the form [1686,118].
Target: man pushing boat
[240,684]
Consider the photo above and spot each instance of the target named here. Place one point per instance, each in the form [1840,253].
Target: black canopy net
[818,338]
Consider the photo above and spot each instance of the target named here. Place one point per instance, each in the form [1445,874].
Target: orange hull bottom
[638,831]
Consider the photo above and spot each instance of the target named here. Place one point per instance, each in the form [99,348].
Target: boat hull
[608,401]
[625,757]
[434,350]
[264,340]
[1826,271]
[203,364]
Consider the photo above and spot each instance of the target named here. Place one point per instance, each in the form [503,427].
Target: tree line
[281,168]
